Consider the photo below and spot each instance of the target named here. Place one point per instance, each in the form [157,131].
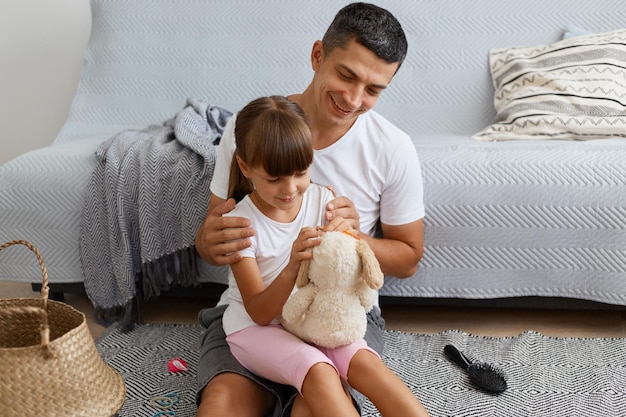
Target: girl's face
[279,198]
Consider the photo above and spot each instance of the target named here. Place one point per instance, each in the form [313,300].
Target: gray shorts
[215,358]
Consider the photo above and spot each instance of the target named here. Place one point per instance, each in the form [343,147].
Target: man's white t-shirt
[271,247]
[374,164]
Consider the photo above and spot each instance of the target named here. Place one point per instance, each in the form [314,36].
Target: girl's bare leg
[300,408]
[389,394]
[324,394]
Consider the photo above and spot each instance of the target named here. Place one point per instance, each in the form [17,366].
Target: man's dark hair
[371,26]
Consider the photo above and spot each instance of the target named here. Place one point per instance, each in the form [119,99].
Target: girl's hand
[307,239]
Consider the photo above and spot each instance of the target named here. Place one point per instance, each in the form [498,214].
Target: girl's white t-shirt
[271,247]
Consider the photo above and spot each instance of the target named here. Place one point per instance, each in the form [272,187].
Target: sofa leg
[52,295]
[57,296]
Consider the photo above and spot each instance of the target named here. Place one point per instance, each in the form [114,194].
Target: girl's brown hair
[272,133]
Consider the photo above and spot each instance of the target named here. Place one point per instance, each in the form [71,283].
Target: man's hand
[220,238]
[341,215]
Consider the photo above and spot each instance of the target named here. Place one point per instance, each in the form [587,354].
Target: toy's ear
[372,274]
[303,273]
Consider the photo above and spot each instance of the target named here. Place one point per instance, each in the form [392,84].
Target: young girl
[270,179]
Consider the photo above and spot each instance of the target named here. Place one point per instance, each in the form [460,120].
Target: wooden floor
[488,321]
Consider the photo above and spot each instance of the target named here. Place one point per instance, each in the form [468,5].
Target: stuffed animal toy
[336,289]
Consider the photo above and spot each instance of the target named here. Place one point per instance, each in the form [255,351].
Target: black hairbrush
[483,375]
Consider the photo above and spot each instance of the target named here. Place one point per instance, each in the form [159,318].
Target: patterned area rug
[546,376]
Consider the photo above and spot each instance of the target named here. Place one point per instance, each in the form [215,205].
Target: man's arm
[220,238]
[398,251]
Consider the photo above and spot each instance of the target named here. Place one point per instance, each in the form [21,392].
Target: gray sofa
[505,219]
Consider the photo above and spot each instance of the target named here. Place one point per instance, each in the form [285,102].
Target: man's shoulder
[376,122]
[381,137]
[320,191]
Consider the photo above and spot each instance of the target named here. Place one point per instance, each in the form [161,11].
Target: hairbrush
[483,375]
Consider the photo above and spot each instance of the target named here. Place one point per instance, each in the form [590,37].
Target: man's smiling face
[348,82]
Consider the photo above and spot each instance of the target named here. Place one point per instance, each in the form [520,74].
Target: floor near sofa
[434,319]
[431,319]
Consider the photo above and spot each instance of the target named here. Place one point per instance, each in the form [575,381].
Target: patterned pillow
[571,89]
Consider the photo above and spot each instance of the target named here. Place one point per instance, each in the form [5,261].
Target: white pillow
[571,89]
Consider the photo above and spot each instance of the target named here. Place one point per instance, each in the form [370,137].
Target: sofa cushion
[571,89]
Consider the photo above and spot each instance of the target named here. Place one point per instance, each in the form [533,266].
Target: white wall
[41,47]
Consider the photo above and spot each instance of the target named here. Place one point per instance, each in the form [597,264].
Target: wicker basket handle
[44,330]
[45,289]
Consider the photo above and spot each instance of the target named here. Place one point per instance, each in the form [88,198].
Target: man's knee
[223,396]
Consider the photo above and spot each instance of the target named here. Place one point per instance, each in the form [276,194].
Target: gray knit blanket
[144,203]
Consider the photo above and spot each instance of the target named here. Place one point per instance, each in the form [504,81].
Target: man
[370,163]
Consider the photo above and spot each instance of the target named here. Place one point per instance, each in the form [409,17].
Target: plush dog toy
[335,291]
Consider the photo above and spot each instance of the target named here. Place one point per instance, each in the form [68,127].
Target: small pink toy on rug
[177,365]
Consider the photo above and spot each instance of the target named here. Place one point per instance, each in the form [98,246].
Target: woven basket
[49,364]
